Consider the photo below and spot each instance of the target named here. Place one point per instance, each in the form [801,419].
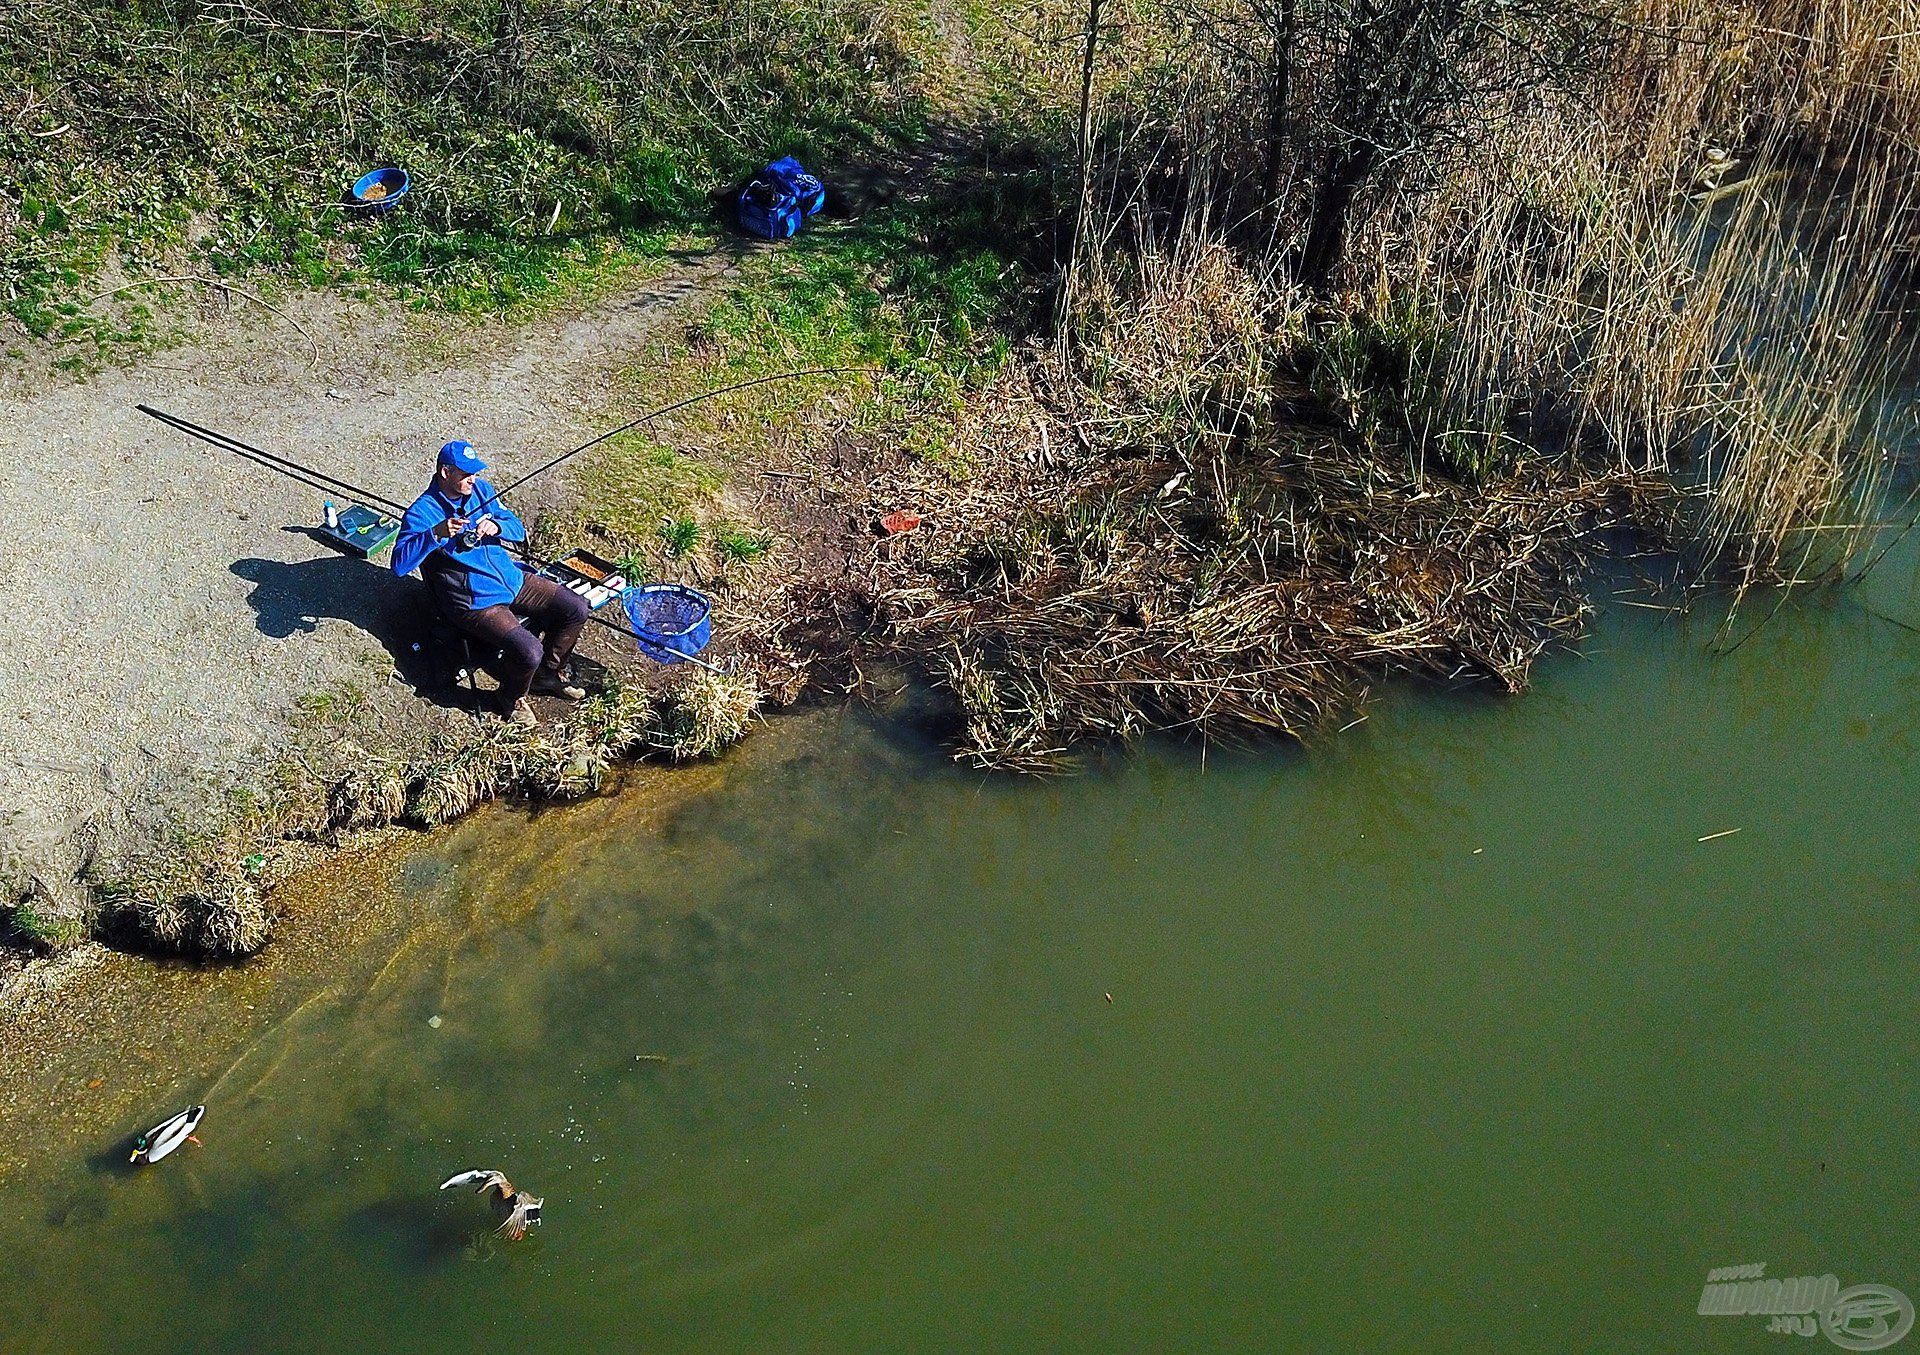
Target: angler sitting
[452,534]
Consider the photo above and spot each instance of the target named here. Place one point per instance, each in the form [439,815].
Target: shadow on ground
[290,598]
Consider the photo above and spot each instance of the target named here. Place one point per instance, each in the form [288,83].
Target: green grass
[547,139]
[629,486]
[634,568]
[334,705]
[40,926]
[1379,374]
[741,545]
[921,298]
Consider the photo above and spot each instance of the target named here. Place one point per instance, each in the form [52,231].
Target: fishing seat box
[780,199]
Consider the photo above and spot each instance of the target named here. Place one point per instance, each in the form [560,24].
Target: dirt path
[168,610]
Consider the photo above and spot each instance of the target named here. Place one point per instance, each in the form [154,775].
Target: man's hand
[487,528]
[451,528]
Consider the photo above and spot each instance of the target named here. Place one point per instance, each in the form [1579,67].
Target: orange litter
[898,521]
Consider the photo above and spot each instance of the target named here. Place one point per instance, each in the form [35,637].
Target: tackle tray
[363,531]
[593,577]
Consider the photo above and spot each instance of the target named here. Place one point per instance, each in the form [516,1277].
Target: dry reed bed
[1731,323]
[1690,251]
[1176,538]
[1705,271]
[1120,612]
[1661,291]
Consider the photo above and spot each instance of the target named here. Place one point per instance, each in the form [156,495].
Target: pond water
[1448,1035]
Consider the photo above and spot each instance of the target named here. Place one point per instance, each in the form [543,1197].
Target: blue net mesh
[670,619]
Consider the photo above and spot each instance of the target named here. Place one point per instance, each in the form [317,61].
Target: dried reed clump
[1827,67]
[197,906]
[705,714]
[372,794]
[228,919]
[568,771]
[564,765]
[616,720]
[1735,334]
[610,725]
[1215,611]
[561,761]
[464,772]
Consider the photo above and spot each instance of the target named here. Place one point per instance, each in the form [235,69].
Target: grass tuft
[372,793]
[181,904]
[42,923]
[741,545]
[680,535]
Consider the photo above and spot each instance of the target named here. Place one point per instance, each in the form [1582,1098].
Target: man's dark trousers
[553,615]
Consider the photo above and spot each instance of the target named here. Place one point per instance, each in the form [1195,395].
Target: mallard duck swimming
[517,1209]
[164,1137]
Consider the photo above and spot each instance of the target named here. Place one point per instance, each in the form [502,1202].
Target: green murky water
[1448,1036]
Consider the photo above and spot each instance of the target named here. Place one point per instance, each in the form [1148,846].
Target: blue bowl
[393,180]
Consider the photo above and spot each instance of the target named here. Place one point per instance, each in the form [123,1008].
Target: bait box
[592,576]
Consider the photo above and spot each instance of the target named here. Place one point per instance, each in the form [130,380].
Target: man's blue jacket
[467,580]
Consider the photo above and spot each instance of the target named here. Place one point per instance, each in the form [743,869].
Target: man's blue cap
[461,456]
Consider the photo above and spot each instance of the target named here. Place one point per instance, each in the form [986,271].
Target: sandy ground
[167,605]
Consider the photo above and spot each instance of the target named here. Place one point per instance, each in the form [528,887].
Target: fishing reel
[471,536]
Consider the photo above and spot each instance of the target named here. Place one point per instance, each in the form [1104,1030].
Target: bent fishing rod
[676,406]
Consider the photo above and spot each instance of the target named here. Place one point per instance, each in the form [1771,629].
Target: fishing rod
[315,479]
[295,470]
[677,405]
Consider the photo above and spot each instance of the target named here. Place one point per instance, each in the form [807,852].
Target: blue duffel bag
[807,190]
[780,199]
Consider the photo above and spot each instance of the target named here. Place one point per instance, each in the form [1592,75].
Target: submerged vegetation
[204,894]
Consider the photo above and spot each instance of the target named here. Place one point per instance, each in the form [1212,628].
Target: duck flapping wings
[517,1210]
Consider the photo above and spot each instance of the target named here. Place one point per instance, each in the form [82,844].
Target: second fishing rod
[665,410]
[320,479]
